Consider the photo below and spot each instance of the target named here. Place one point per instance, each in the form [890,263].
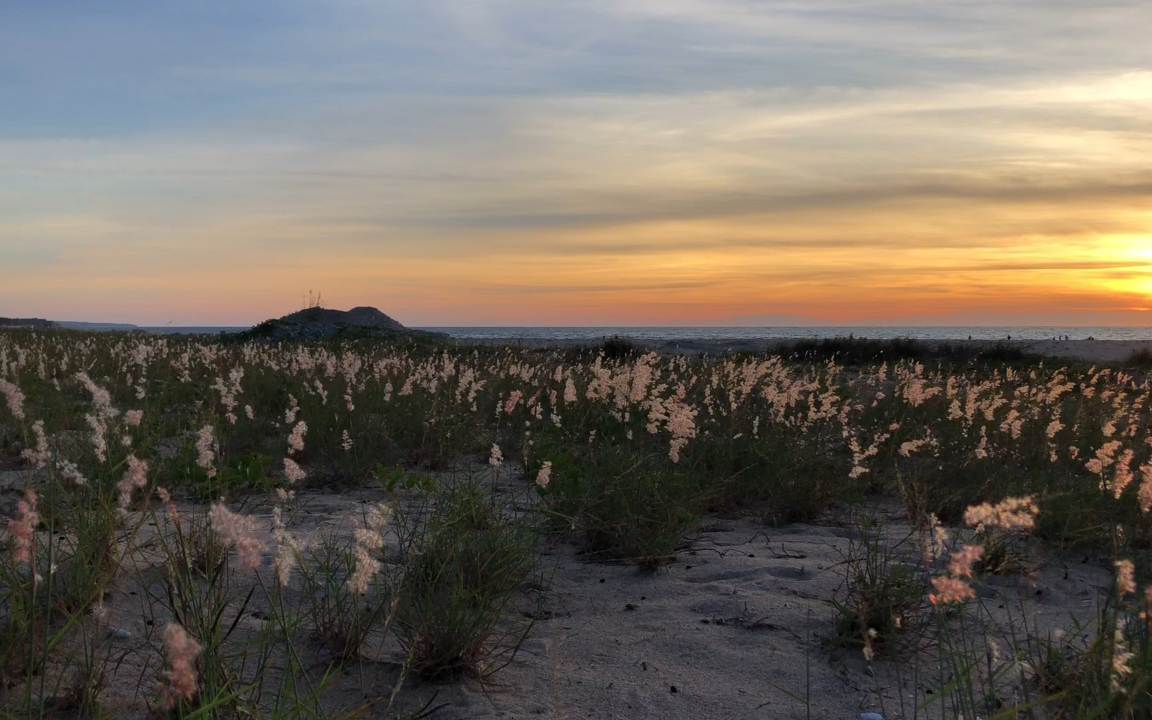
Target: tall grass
[622,451]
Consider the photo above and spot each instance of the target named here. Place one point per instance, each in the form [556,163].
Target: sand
[1093,351]
[738,626]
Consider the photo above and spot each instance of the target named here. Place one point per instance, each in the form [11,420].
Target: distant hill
[27,322]
[317,323]
[357,316]
[77,325]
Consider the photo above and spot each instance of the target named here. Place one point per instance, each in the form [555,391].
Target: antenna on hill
[313,301]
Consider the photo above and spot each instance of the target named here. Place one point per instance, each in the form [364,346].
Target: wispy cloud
[641,160]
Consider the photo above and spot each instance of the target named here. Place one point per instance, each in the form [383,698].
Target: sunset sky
[537,162]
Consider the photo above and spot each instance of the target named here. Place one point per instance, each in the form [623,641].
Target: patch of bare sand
[736,627]
[1094,351]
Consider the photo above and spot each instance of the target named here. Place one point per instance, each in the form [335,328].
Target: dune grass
[143,459]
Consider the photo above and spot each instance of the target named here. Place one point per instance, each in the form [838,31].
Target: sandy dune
[738,626]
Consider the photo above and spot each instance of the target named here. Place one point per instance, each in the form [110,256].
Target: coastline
[1092,351]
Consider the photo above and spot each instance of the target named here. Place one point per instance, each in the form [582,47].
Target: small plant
[397,478]
[200,596]
[1061,665]
[617,348]
[87,558]
[1002,532]
[22,618]
[885,604]
[629,508]
[465,561]
[192,550]
[790,482]
[338,615]
[92,664]
[1101,669]
[1140,359]
[1004,553]
[244,471]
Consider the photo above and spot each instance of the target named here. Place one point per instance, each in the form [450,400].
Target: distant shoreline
[1094,351]
[931,333]
[695,340]
[703,333]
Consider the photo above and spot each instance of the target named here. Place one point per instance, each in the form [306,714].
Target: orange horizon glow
[1078,280]
[625,163]
[955,265]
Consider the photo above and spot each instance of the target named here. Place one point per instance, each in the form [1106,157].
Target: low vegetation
[171,466]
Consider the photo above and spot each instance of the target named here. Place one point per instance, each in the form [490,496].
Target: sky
[602,162]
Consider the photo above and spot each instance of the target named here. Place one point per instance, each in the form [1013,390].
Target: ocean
[878,332]
[665,333]
[191,329]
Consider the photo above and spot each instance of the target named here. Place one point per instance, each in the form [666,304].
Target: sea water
[710,332]
[876,332]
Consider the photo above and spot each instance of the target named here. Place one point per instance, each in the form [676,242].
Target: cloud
[641,156]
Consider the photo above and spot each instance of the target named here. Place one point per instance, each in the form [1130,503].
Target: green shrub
[625,506]
[463,561]
[338,619]
[885,604]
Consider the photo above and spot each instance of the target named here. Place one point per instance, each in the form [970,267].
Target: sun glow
[1137,247]
[1133,273]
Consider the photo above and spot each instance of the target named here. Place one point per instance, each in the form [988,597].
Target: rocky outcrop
[358,317]
[317,323]
[27,322]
